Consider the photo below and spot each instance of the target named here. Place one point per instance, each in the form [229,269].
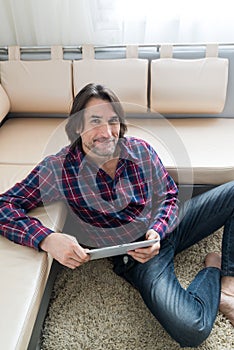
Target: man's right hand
[65,249]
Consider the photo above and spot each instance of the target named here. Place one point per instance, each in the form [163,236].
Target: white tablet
[119,249]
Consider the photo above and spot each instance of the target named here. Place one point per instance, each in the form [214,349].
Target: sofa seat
[54,214]
[29,140]
[194,150]
[24,273]
[12,173]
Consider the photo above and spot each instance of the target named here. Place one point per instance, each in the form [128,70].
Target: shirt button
[125,259]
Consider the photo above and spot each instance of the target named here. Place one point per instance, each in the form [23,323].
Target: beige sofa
[195,143]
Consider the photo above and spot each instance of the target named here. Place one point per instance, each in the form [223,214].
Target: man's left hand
[145,254]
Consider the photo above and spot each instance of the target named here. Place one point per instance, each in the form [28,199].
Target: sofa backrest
[188,84]
[37,86]
[4,105]
[128,77]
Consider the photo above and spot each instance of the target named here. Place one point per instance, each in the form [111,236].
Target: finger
[143,253]
[77,260]
[138,256]
[72,263]
[82,256]
[71,266]
[80,253]
[152,234]
[71,259]
[149,250]
[76,248]
[141,259]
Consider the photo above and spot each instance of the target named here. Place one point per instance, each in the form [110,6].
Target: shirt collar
[126,151]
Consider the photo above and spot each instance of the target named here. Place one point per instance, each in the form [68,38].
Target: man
[120,192]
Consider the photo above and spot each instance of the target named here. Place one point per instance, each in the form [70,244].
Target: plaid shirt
[108,211]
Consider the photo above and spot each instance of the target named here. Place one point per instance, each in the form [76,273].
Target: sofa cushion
[29,140]
[38,86]
[51,214]
[23,270]
[194,151]
[12,173]
[4,104]
[24,273]
[126,77]
[189,86]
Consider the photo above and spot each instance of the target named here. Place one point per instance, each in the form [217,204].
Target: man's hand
[145,254]
[65,249]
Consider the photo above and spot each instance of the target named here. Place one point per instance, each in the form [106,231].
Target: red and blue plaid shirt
[108,211]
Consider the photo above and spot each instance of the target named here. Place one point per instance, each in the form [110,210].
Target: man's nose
[105,130]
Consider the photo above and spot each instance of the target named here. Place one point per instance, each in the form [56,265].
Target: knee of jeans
[194,335]
[230,190]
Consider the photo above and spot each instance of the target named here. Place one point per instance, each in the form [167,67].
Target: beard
[102,147]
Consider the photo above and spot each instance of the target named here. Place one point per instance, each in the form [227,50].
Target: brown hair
[76,117]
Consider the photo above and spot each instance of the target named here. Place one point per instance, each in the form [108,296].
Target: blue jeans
[187,315]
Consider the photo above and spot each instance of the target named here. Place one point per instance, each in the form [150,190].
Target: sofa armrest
[4,104]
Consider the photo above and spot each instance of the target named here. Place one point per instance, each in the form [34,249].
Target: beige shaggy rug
[93,309]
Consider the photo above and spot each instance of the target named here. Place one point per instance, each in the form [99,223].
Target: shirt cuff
[160,229]
[35,236]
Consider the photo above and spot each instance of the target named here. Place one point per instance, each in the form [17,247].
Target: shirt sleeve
[165,202]
[38,188]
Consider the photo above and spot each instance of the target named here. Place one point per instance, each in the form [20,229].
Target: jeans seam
[206,269]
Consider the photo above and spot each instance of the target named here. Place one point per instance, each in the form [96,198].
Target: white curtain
[114,22]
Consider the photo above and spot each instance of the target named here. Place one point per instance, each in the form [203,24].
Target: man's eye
[95,121]
[114,121]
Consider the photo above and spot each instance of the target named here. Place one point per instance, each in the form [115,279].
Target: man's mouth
[103,140]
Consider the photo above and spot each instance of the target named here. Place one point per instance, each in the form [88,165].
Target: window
[115,22]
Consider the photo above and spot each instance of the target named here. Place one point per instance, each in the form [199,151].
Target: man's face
[101,130]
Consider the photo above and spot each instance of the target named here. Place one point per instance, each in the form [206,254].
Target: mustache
[104,139]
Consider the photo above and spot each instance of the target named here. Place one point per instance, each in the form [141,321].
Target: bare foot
[213,260]
[227,287]
[227,306]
